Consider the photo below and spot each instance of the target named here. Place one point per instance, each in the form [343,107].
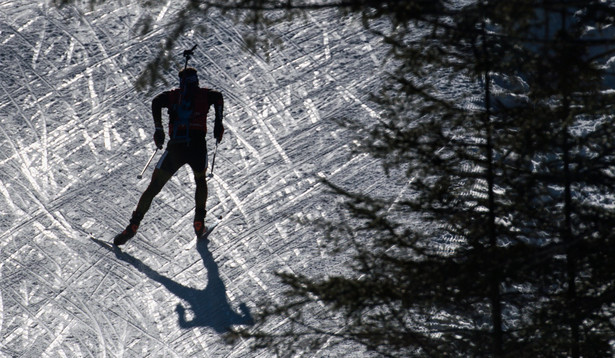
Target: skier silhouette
[187,107]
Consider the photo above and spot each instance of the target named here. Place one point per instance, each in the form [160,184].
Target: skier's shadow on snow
[210,305]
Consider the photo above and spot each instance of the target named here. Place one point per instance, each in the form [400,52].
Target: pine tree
[566,174]
[435,275]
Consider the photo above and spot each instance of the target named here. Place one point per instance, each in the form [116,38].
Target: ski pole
[213,162]
[147,164]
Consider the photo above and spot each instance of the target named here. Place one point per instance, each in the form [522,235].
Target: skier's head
[188,78]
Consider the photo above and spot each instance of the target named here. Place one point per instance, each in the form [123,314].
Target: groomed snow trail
[74,135]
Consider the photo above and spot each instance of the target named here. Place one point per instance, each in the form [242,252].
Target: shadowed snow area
[74,134]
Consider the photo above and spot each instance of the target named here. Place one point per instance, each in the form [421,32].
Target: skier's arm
[157,103]
[218,101]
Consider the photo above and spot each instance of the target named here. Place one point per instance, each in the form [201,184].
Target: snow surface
[74,134]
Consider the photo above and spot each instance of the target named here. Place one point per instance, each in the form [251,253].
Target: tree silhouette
[564,179]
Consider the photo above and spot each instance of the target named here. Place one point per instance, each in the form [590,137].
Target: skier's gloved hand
[218,131]
[159,137]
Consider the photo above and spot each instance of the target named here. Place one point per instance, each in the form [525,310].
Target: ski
[208,231]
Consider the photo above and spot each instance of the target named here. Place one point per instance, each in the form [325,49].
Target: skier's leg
[198,162]
[166,167]
[200,200]
[159,179]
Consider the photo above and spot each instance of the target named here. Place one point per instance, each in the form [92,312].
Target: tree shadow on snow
[210,305]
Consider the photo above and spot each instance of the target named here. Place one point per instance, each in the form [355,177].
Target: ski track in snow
[74,135]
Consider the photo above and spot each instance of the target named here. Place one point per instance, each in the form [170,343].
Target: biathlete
[187,107]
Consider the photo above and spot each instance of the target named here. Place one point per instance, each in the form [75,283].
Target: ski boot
[199,229]
[130,230]
[199,223]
